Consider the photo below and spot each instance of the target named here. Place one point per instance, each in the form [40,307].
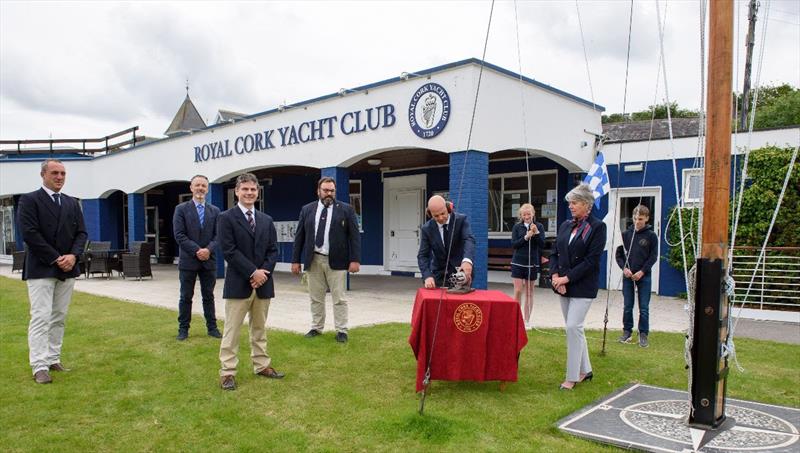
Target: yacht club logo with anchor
[429,110]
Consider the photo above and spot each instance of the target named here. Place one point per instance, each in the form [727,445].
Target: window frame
[502,176]
[687,174]
[359,215]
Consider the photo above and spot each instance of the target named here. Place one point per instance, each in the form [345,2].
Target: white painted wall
[554,125]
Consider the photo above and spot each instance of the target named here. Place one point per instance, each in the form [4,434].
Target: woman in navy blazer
[527,239]
[575,270]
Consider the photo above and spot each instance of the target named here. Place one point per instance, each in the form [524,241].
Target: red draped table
[479,336]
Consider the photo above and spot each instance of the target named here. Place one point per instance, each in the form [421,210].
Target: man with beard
[328,242]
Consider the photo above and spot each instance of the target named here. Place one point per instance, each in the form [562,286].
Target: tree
[658,111]
[778,106]
[766,172]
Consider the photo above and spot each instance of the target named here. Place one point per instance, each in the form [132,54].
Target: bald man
[446,229]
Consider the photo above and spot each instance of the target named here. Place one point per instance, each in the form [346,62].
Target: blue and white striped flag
[597,178]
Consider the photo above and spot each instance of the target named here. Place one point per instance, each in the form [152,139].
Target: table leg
[503,385]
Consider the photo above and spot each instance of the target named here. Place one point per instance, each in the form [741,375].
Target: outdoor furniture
[137,265]
[98,259]
[17,257]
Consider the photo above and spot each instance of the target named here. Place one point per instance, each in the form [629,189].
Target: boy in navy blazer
[195,228]
[54,232]
[328,243]
[249,242]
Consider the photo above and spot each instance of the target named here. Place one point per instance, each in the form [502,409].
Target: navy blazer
[433,252]
[580,259]
[191,237]
[344,239]
[527,253]
[246,251]
[50,231]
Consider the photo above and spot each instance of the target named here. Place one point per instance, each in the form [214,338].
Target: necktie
[57,198]
[251,221]
[201,212]
[446,235]
[323,219]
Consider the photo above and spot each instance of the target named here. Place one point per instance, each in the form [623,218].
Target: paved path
[380,299]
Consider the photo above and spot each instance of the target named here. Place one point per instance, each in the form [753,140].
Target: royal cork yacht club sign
[428,114]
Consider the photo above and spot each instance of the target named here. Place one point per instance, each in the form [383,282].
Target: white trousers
[574,310]
[321,278]
[49,298]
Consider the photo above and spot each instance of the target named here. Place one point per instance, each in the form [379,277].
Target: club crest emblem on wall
[429,110]
[468,317]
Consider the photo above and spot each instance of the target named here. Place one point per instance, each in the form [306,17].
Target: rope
[756,90]
[671,137]
[732,327]
[527,284]
[426,380]
[619,179]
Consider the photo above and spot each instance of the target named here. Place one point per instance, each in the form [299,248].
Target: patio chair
[98,261]
[137,265]
[17,257]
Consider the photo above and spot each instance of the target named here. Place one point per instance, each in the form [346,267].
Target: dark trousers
[629,287]
[208,278]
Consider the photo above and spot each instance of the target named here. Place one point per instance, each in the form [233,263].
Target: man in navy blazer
[54,232]
[328,242]
[446,228]
[249,242]
[195,226]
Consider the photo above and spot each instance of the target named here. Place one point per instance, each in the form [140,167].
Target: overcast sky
[89,69]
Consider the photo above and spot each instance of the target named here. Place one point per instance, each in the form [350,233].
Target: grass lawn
[134,388]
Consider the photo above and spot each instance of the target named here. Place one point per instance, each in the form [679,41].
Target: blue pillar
[342,177]
[136,226]
[100,225]
[469,190]
[216,196]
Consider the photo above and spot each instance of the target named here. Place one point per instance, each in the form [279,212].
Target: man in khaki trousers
[249,243]
[328,243]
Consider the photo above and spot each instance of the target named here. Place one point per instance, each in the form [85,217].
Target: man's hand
[66,262]
[637,276]
[296,268]
[258,278]
[627,272]
[203,254]
[354,267]
[430,283]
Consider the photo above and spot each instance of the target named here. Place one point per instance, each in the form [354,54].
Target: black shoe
[313,333]
[214,333]
[587,377]
[341,337]
[182,335]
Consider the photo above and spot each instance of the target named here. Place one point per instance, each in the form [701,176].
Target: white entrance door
[405,218]
[624,201]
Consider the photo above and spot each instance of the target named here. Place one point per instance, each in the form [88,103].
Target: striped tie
[251,221]
[57,198]
[201,212]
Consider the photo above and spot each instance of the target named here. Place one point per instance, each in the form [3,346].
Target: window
[692,185]
[508,192]
[355,201]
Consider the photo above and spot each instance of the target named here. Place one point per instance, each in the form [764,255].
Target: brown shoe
[42,377]
[227,382]
[270,372]
[58,367]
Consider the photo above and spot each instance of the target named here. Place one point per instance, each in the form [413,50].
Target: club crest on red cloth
[468,317]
